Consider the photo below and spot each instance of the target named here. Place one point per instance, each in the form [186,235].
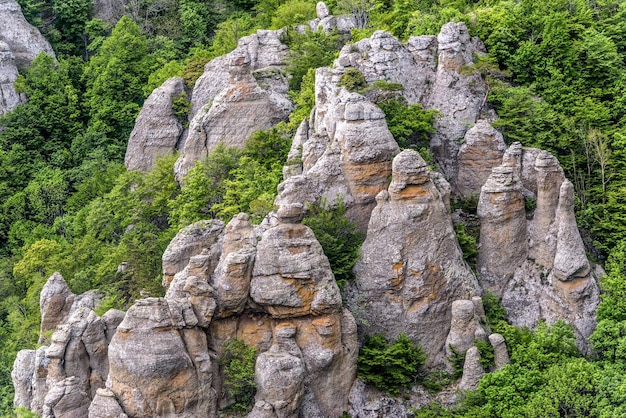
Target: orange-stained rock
[411,267]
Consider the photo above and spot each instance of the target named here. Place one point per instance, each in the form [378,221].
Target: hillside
[289,209]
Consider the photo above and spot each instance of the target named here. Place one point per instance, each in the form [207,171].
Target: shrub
[353,80]
[410,125]
[487,355]
[340,238]
[390,366]
[468,244]
[238,362]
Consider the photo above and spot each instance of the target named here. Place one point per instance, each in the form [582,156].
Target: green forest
[556,76]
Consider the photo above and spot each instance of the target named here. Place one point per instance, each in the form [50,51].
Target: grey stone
[190,241]
[9,98]
[23,39]
[501,355]
[472,370]
[411,267]
[157,129]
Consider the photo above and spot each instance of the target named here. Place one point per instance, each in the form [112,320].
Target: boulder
[411,267]
[291,275]
[157,129]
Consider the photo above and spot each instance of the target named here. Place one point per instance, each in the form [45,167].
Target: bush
[468,244]
[353,80]
[238,362]
[410,125]
[340,238]
[390,366]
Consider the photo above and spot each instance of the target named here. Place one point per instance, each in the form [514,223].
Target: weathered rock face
[157,129]
[345,154]
[238,94]
[345,148]
[383,57]
[280,373]
[61,378]
[9,98]
[277,294]
[482,149]
[159,361]
[500,353]
[472,370]
[411,267]
[538,265]
[465,325]
[458,97]
[202,236]
[23,39]
[55,301]
[503,236]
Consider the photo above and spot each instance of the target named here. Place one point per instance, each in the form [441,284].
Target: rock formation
[9,98]
[482,149]
[411,268]
[345,155]
[537,266]
[500,353]
[254,99]
[20,43]
[23,39]
[272,287]
[157,129]
[109,10]
[472,370]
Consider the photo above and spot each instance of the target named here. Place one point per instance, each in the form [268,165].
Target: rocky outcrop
[238,94]
[458,97]
[109,10]
[9,98]
[276,293]
[280,376]
[535,261]
[60,378]
[156,345]
[157,129]
[411,268]
[202,237]
[472,370]
[482,149]
[344,155]
[500,352]
[23,39]
[466,326]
